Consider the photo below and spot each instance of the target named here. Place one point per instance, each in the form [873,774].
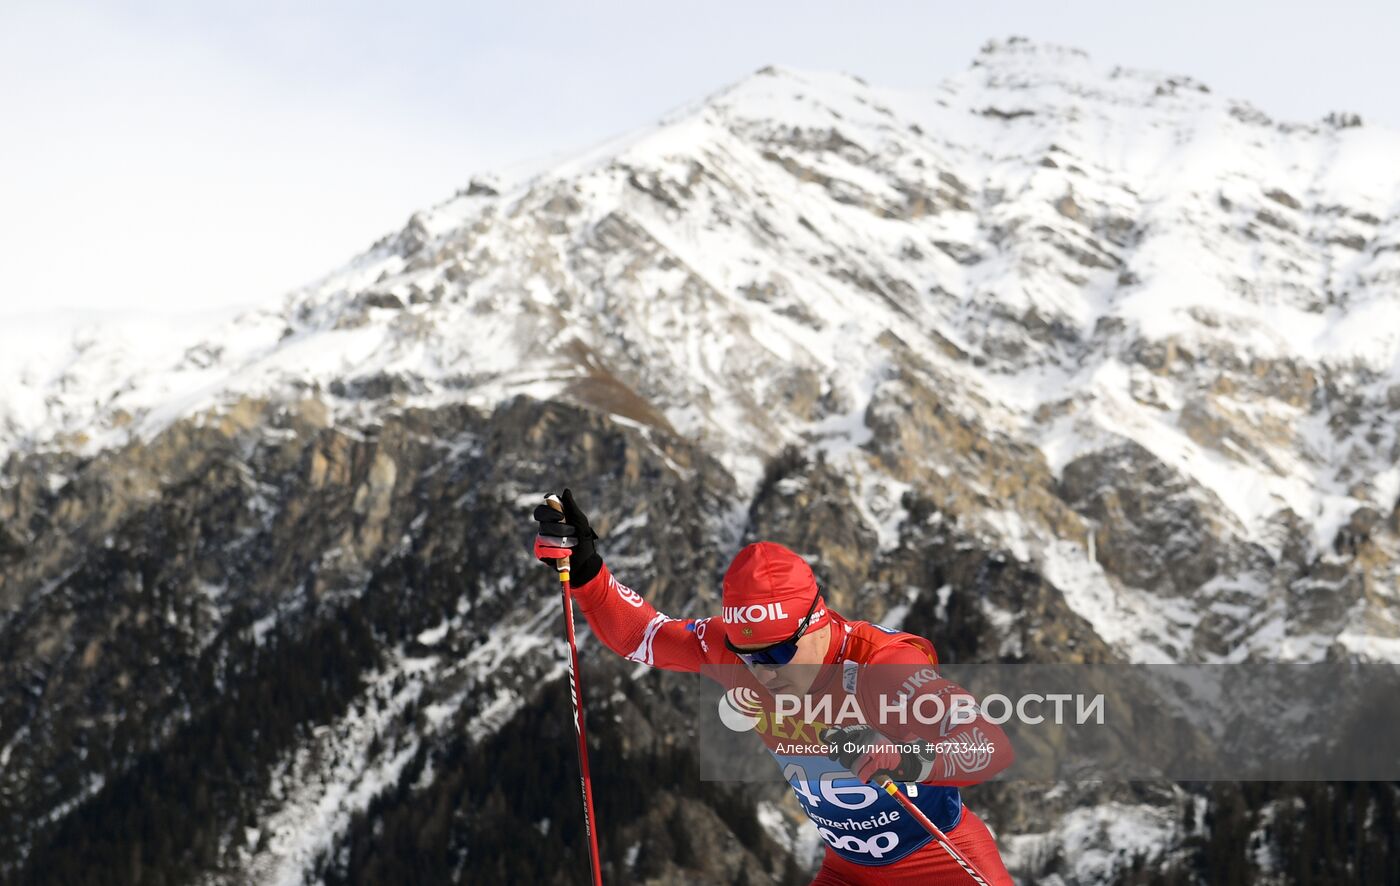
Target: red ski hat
[767,592]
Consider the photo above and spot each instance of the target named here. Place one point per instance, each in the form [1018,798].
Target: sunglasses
[778,654]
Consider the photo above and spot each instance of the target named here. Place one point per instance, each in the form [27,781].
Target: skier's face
[796,677]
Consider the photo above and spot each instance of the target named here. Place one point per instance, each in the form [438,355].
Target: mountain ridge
[1048,363]
[756,269]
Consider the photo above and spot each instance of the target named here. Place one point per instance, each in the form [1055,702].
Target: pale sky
[180,157]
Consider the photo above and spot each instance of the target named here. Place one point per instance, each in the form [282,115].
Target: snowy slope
[1081,256]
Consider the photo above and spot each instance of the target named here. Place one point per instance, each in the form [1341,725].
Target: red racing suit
[864,828]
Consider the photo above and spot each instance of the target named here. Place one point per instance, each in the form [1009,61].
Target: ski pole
[889,786]
[557,549]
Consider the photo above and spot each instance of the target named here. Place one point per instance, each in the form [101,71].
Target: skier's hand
[572,525]
[866,754]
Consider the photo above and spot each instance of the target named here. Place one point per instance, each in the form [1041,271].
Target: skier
[777,635]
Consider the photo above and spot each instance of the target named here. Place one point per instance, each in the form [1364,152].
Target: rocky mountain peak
[1041,257]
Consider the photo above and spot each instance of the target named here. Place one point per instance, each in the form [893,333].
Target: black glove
[866,753]
[584,562]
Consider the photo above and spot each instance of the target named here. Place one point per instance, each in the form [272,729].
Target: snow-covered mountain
[1077,259]
[1132,335]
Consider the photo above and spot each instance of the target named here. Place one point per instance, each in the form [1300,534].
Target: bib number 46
[852,795]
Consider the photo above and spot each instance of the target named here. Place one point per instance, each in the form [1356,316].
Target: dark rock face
[234,591]
[238,586]
[809,507]
[1154,529]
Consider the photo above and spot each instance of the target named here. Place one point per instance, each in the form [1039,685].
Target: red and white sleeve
[970,748]
[631,627]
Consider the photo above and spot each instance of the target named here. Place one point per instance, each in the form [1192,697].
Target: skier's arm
[969,748]
[631,627]
[627,624]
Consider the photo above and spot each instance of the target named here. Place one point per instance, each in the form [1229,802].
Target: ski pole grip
[553,501]
[563,562]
